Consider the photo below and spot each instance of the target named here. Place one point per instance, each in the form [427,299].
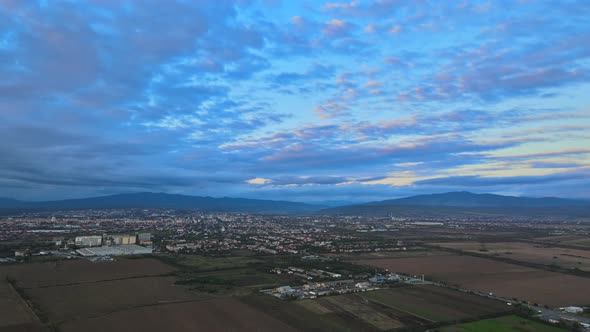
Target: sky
[311,101]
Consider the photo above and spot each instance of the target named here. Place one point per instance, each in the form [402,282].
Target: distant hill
[466,202]
[446,204]
[9,203]
[467,199]
[166,201]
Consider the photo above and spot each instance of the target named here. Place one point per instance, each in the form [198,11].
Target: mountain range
[165,201]
[446,203]
[464,203]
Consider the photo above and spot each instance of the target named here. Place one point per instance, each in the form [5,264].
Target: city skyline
[302,101]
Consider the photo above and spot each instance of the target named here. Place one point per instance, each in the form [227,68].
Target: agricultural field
[348,312]
[394,308]
[305,315]
[489,276]
[573,240]
[203,263]
[187,293]
[61,303]
[138,294]
[388,254]
[82,271]
[234,275]
[241,281]
[210,315]
[502,324]
[527,252]
[15,315]
[436,304]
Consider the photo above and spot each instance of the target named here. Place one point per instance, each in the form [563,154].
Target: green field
[207,263]
[503,324]
[238,281]
[236,275]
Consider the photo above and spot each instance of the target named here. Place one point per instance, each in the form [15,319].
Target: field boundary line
[557,245]
[106,313]
[99,281]
[27,304]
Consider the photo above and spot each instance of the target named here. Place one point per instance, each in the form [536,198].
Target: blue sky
[298,100]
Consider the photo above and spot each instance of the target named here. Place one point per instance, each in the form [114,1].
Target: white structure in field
[573,310]
[88,241]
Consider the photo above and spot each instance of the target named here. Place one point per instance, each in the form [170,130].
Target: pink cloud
[373,84]
[297,20]
[394,30]
[336,28]
[370,28]
[331,110]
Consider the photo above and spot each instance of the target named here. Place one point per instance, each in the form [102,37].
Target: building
[283,291]
[144,238]
[363,284]
[119,239]
[382,278]
[122,250]
[88,241]
[58,240]
[333,275]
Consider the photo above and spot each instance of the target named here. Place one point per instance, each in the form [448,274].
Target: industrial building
[121,239]
[88,241]
[120,250]
[144,238]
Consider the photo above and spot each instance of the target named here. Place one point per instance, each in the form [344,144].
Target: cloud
[370,28]
[479,181]
[395,29]
[369,8]
[259,181]
[495,72]
[299,180]
[309,77]
[228,98]
[337,28]
[545,154]
[330,110]
[342,5]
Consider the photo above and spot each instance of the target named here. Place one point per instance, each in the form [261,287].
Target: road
[547,314]
[544,313]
